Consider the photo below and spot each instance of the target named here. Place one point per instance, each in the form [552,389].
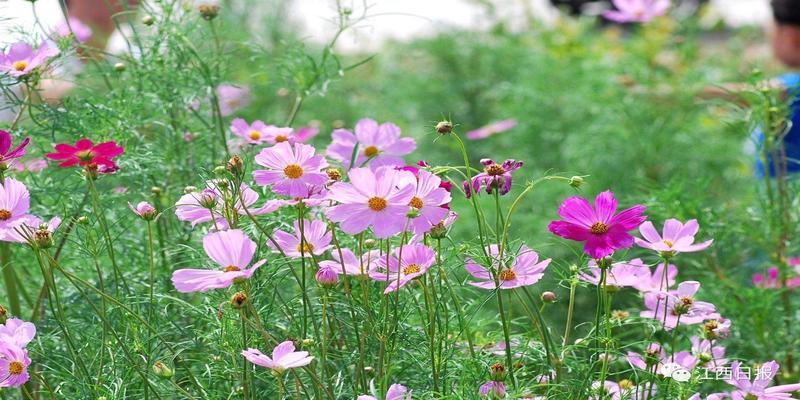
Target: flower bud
[189,189]
[238,300]
[156,190]
[145,210]
[43,237]
[605,262]
[235,166]
[327,277]
[162,370]
[83,220]
[308,342]
[3,315]
[444,127]
[208,11]
[549,297]
[438,231]
[334,174]
[208,199]
[148,20]
[220,170]
[705,357]
[370,243]
[576,181]
[119,67]
[497,372]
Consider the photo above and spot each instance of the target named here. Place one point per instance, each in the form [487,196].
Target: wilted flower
[494,177]
[291,170]
[491,129]
[283,357]
[86,154]
[415,259]
[524,271]
[381,145]
[637,10]
[21,59]
[677,237]
[315,235]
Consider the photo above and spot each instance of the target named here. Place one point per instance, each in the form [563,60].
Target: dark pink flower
[86,153]
[6,152]
[494,176]
[773,280]
[600,227]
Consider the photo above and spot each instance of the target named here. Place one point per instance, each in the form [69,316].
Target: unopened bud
[83,220]
[438,231]
[576,181]
[162,370]
[208,11]
[119,67]
[239,299]
[156,190]
[235,165]
[189,189]
[308,342]
[220,170]
[3,315]
[43,238]
[370,243]
[497,372]
[548,297]
[605,262]
[208,199]
[326,277]
[148,20]
[444,127]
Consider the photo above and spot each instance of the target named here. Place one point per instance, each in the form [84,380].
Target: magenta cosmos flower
[14,362]
[6,152]
[14,203]
[415,261]
[17,332]
[619,275]
[349,263]
[681,306]
[395,392]
[232,250]
[210,205]
[21,59]
[429,201]
[525,270]
[381,145]
[316,235]
[773,280]
[677,237]
[600,227]
[494,177]
[759,388]
[291,170]
[372,199]
[492,129]
[85,153]
[73,25]
[637,10]
[283,357]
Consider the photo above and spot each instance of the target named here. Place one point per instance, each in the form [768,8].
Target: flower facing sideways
[349,264]
[494,177]
[144,210]
[526,269]
[619,275]
[316,240]
[415,260]
[6,152]
[17,332]
[283,357]
[380,145]
[637,10]
[677,237]
[681,306]
[232,250]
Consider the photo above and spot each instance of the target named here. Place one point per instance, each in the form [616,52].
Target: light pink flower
[33,165]
[379,199]
[291,170]
[381,145]
[232,98]
[415,260]
[759,388]
[680,305]
[24,231]
[492,390]
[231,250]
[283,357]
[21,59]
[305,133]
[17,332]
[651,282]
[14,203]
[209,205]
[144,210]
[525,270]
[14,362]
[491,129]
[255,133]
[677,237]
[395,392]
[317,239]
[619,275]
[637,10]
[349,264]
[429,201]
[707,353]
[73,25]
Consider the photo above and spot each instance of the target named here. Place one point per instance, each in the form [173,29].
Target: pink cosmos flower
[73,25]
[655,356]
[395,392]
[619,275]
[253,134]
[33,165]
[491,129]
[381,145]
[651,282]
[326,276]
[232,98]
[21,59]
[27,229]
[14,362]
[428,201]
[6,152]
[17,332]
[603,231]
[637,10]
[773,280]
[316,235]
[759,388]
[144,210]
[232,250]
[209,205]
[379,199]
[716,328]
[680,305]
[283,357]
[290,169]
[14,203]
[416,259]
[85,153]
[305,133]
[349,264]
[493,390]
[494,176]
[708,355]
[524,271]
[677,238]
[619,391]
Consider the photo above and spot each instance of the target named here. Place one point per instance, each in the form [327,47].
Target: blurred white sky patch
[737,13]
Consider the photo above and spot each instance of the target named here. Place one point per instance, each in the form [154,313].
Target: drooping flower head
[677,237]
[494,177]
[317,239]
[283,357]
[406,263]
[379,199]
[637,10]
[600,227]
[395,392]
[73,25]
[429,201]
[86,154]
[679,306]
[6,152]
[349,264]
[291,170]
[14,362]
[381,145]
[759,387]
[21,59]
[232,251]
[14,203]
[491,129]
[524,270]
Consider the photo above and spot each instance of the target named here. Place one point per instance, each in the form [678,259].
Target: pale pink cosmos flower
[24,231]
[283,357]
[33,165]
[305,133]
[681,306]
[395,392]
[759,388]
[492,390]
[73,25]
[14,362]
[429,201]
[349,263]
[677,237]
[291,170]
[17,332]
[317,239]
[525,270]
[491,129]
[380,145]
[716,328]
[379,199]
[232,251]
[208,205]
[415,260]
[619,275]
[654,281]
[615,391]
[255,133]
[232,98]
[707,353]
[656,356]
[14,203]
[21,59]
[637,10]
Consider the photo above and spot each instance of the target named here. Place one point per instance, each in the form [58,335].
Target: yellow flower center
[377,203]
[305,248]
[15,367]
[507,275]
[416,202]
[495,170]
[281,138]
[668,242]
[85,155]
[626,384]
[232,268]
[411,269]
[687,301]
[371,151]
[5,215]
[599,228]
[293,171]
[254,135]
[20,65]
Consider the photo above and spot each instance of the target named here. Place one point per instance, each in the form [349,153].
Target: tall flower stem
[151,305]
[10,279]
[101,218]
[429,301]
